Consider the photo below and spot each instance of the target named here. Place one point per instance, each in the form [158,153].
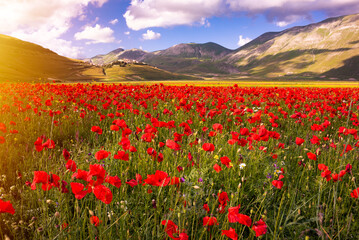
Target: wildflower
[6,207]
[95,220]
[260,228]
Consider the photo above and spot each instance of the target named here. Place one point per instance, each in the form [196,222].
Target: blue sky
[85,28]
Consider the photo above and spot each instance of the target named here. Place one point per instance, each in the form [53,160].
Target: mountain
[208,50]
[118,54]
[326,49]
[192,58]
[24,61]
[181,58]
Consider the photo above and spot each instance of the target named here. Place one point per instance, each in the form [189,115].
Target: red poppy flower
[217,168]
[71,165]
[231,233]
[125,143]
[81,174]
[277,183]
[2,140]
[114,128]
[6,207]
[132,182]
[49,144]
[299,141]
[147,137]
[66,154]
[132,149]
[206,208]
[151,152]
[38,144]
[122,155]
[326,174]
[208,147]
[244,219]
[209,221]
[233,214]
[96,129]
[171,228]
[244,131]
[3,128]
[342,173]
[348,168]
[103,194]
[355,193]
[322,167]
[78,190]
[115,181]
[102,154]
[63,187]
[312,156]
[226,161]
[95,220]
[39,177]
[96,170]
[53,181]
[159,179]
[223,198]
[172,145]
[218,127]
[260,228]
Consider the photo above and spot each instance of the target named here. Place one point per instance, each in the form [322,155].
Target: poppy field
[112,161]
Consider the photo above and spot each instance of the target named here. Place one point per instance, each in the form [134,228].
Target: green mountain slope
[24,61]
[329,48]
[181,58]
[139,72]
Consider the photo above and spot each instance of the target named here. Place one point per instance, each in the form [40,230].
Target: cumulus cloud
[143,14]
[163,13]
[114,21]
[44,22]
[242,41]
[127,33]
[96,34]
[151,35]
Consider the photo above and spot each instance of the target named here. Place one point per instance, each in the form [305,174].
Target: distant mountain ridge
[329,48]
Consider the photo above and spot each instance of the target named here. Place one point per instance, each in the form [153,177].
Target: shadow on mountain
[350,69]
[276,63]
[354,42]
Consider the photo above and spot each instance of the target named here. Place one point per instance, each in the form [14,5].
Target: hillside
[117,54]
[139,72]
[326,49]
[181,58]
[24,61]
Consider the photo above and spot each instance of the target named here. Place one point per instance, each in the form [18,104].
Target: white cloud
[242,41]
[143,14]
[96,34]
[163,13]
[288,20]
[151,35]
[44,22]
[127,33]
[114,21]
